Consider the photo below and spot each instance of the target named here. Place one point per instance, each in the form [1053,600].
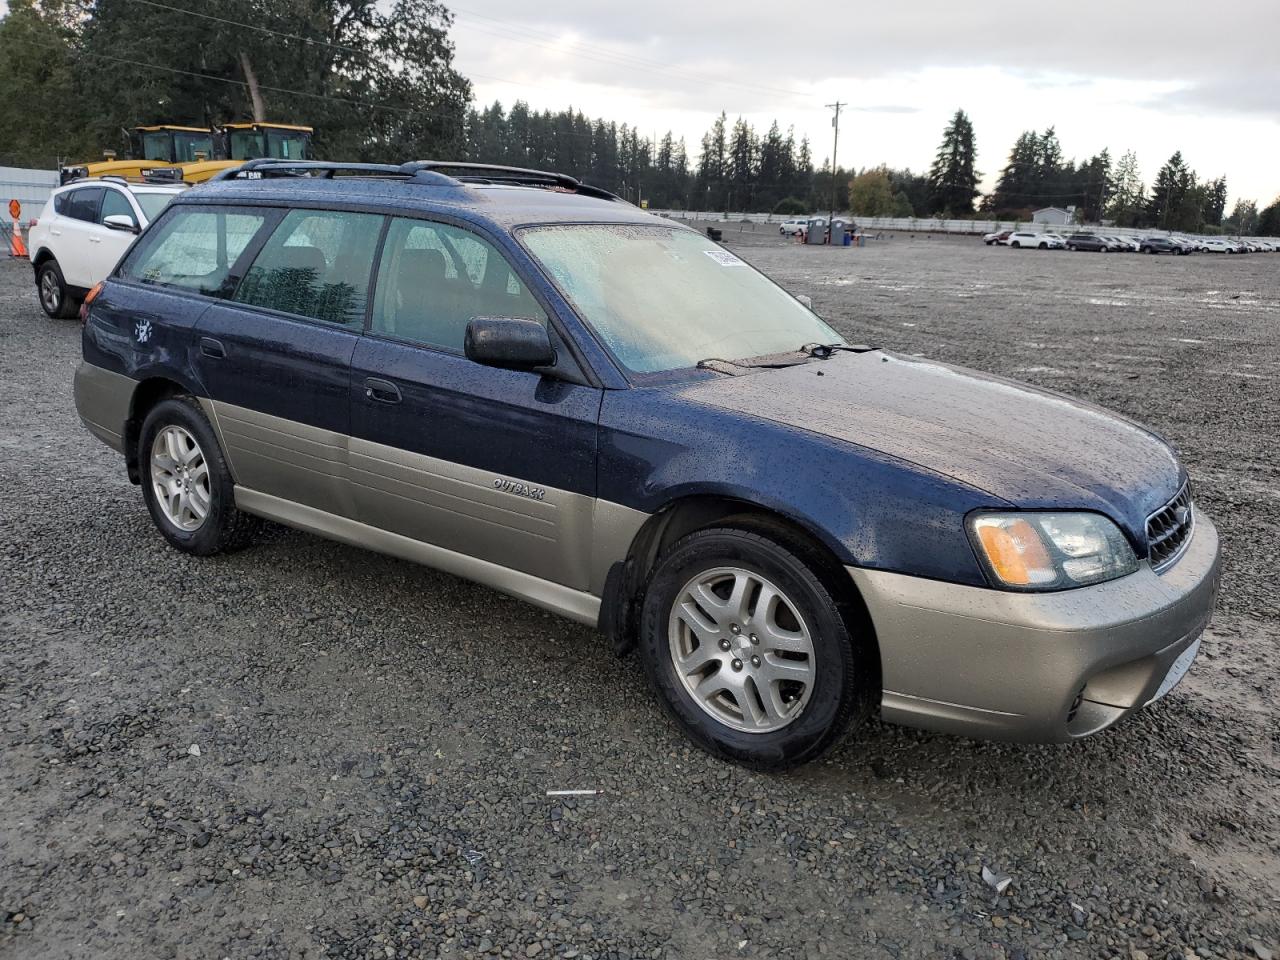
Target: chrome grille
[1169,529]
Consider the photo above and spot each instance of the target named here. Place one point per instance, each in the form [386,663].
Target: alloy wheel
[180,478]
[50,295]
[741,650]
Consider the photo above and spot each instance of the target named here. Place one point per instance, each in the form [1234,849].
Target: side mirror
[120,221]
[509,343]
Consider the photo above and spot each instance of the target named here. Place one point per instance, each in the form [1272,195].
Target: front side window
[193,248]
[84,203]
[317,265]
[115,204]
[435,278]
[192,147]
[663,298]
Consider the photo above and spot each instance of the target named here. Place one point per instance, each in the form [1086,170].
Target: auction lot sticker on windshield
[724,258]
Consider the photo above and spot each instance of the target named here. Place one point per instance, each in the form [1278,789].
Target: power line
[588,52]
[250,26]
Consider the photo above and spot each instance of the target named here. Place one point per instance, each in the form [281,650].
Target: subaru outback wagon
[522,380]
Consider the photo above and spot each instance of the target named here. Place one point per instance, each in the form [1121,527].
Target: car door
[489,463]
[107,246]
[78,237]
[276,356]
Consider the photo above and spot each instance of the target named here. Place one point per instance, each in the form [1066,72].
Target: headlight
[1050,551]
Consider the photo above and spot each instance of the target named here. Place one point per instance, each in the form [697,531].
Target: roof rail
[270,167]
[498,173]
[420,171]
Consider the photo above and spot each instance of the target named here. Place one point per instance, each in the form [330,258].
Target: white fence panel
[31,188]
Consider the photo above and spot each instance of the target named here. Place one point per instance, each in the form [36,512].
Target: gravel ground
[305,750]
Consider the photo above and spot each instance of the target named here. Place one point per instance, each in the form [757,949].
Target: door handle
[384,391]
[95,239]
[210,347]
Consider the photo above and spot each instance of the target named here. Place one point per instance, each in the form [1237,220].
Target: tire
[1015,244]
[1071,248]
[51,289]
[206,479]
[1044,246]
[804,719]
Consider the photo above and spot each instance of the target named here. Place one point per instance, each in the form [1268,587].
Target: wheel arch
[626,583]
[149,392]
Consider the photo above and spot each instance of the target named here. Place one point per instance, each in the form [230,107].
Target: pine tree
[1127,202]
[953,181]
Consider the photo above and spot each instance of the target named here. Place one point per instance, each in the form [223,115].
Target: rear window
[194,248]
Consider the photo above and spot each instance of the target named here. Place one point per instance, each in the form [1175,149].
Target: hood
[1028,447]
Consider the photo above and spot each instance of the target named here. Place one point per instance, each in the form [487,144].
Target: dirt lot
[375,739]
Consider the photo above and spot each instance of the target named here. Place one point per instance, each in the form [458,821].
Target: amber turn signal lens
[1016,553]
[88,299]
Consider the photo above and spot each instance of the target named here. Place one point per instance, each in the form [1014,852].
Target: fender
[868,508]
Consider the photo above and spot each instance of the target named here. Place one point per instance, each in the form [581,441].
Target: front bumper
[1036,667]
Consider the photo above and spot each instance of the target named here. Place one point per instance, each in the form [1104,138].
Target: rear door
[78,237]
[494,464]
[107,246]
[276,356]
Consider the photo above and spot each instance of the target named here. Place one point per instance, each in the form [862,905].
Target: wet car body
[882,461]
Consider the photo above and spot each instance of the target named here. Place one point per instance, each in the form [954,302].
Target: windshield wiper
[735,368]
[824,351]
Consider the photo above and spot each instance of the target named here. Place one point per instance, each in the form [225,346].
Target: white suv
[84,230]
[790,228]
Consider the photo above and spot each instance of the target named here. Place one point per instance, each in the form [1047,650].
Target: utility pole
[835,146]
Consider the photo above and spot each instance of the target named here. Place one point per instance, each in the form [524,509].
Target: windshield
[192,147]
[153,203]
[663,298]
[246,145]
[157,146]
[286,146]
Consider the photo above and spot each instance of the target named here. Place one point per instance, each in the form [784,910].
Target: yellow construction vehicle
[194,154]
[234,143]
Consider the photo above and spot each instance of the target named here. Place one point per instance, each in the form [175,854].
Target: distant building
[1054,215]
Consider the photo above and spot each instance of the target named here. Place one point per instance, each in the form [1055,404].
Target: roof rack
[498,173]
[419,171]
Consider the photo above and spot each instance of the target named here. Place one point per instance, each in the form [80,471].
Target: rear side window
[316,265]
[84,204]
[193,248]
[434,278]
[62,203]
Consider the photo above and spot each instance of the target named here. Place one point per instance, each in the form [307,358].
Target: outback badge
[519,489]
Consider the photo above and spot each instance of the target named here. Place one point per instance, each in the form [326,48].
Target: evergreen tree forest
[376,79]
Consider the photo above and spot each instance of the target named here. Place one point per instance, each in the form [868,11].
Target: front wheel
[55,299]
[750,652]
[186,483]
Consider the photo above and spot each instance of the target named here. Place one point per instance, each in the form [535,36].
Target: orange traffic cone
[16,247]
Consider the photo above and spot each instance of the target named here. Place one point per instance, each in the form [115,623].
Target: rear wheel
[186,483]
[751,654]
[55,299]
[1044,246]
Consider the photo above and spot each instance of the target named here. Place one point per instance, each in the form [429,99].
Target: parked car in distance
[525,381]
[1122,244]
[1160,245]
[1185,244]
[83,230]
[1218,245]
[790,228]
[1088,241]
[1056,241]
[1036,241]
[1000,236]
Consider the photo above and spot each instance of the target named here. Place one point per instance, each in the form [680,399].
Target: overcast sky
[1191,75]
